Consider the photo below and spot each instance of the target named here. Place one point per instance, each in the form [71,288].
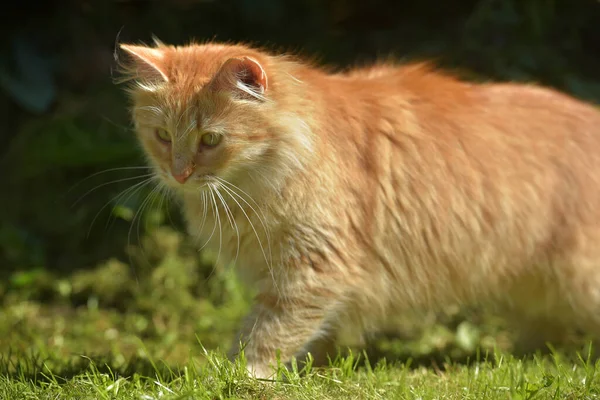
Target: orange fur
[344,197]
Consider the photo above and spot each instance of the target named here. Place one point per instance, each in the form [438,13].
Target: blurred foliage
[73,242]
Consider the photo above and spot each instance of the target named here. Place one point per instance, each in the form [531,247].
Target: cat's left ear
[243,76]
[149,62]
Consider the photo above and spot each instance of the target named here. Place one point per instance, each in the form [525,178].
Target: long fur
[379,190]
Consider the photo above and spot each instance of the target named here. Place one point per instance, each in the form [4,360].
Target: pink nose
[182,176]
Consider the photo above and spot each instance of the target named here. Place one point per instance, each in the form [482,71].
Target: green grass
[210,376]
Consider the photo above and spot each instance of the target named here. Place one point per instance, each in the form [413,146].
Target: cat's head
[205,113]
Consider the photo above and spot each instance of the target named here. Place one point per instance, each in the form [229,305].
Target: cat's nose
[182,175]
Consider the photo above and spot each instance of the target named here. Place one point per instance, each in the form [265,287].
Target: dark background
[64,119]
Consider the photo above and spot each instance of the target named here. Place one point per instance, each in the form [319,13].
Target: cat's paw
[260,371]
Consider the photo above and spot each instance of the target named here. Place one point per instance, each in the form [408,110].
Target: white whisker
[239,189]
[230,192]
[204,211]
[231,219]
[103,172]
[218,217]
[235,188]
[214,226]
[110,183]
[137,215]
[130,190]
[166,195]
[262,219]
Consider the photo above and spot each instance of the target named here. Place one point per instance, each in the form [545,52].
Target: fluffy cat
[345,197]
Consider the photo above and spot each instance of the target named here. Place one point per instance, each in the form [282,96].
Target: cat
[346,197]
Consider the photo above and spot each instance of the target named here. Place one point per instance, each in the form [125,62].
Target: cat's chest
[235,234]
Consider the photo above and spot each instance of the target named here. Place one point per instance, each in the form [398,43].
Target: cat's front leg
[284,323]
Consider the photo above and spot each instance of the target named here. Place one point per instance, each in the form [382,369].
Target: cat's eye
[210,139]
[163,135]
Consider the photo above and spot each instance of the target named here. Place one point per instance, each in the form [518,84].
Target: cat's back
[421,100]
[519,153]
[424,86]
[471,172]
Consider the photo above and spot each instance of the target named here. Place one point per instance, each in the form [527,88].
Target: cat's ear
[243,76]
[148,62]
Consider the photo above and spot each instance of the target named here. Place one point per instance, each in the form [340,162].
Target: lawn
[211,377]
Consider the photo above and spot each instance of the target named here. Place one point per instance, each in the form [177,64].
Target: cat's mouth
[194,183]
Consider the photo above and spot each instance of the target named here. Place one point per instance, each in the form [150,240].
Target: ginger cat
[345,197]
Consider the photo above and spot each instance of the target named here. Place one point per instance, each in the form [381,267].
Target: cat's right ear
[242,76]
[148,63]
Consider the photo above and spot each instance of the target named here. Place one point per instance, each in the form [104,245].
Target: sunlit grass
[211,376]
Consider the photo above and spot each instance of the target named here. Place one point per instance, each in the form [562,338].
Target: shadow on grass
[437,360]
[441,360]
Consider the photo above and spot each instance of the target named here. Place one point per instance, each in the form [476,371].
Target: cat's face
[201,117]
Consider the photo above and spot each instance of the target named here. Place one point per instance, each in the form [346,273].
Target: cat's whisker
[231,219]
[218,218]
[105,171]
[148,201]
[163,204]
[110,183]
[134,192]
[138,215]
[261,218]
[215,224]
[168,196]
[156,194]
[155,179]
[230,192]
[161,196]
[206,198]
[204,211]
[237,189]
[116,198]
[232,186]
